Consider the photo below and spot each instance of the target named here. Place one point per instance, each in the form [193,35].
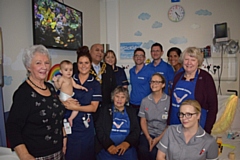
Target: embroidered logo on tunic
[178,99]
[118,125]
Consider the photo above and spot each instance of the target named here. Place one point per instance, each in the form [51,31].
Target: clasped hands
[120,149]
[152,143]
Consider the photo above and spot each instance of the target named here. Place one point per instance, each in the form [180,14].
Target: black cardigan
[103,128]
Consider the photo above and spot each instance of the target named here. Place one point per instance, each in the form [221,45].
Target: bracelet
[65,136]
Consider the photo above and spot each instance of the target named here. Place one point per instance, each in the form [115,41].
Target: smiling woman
[86,102]
[117,129]
[153,112]
[191,83]
[36,108]
[173,55]
[187,138]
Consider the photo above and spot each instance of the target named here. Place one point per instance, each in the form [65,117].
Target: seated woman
[187,140]
[117,129]
[153,113]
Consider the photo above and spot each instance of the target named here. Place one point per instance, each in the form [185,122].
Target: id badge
[164,116]
[67,127]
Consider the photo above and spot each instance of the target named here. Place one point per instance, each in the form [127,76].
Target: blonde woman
[187,140]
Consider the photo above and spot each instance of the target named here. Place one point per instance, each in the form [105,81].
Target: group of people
[170,113]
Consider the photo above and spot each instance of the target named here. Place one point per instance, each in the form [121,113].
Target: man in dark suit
[102,72]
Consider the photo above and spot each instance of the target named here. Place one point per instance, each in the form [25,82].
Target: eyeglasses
[187,115]
[140,56]
[156,82]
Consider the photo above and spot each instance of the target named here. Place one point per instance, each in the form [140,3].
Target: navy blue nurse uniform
[80,144]
[121,78]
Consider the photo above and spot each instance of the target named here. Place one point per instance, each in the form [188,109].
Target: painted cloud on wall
[7,61]
[157,24]
[144,16]
[18,64]
[178,40]
[195,26]
[138,33]
[148,44]
[202,12]
[7,80]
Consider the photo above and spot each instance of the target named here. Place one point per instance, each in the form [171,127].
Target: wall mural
[147,45]
[157,24]
[178,40]
[144,16]
[195,26]
[174,40]
[138,33]
[17,65]
[7,80]
[202,12]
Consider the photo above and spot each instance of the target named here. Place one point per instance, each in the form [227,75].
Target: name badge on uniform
[164,116]
[67,127]
[140,77]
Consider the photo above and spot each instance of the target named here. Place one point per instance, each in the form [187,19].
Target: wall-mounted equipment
[232,47]
[56,25]
[221,32]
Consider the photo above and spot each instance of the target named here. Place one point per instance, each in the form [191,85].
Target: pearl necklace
[36,85]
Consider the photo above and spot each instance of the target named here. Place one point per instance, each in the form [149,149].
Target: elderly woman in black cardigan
[117,129]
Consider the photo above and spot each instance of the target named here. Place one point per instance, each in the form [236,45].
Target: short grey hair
[120,89]
[193,52]
[29,53]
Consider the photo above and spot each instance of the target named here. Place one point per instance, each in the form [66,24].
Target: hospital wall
[146,22]
[116,21]
[16,24]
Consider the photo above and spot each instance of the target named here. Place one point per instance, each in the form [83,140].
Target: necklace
[99,73]
[36,85]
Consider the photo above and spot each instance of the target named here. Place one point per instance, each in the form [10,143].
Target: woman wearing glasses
[187,140]
[194,83]
[153,112]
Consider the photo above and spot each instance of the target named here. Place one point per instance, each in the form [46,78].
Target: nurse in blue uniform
[80,144]
[117,129]
[121,78]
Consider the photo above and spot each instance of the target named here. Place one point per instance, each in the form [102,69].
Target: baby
[65,84]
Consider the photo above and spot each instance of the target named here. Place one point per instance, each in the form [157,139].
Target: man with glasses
[140,76]
[160,66]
